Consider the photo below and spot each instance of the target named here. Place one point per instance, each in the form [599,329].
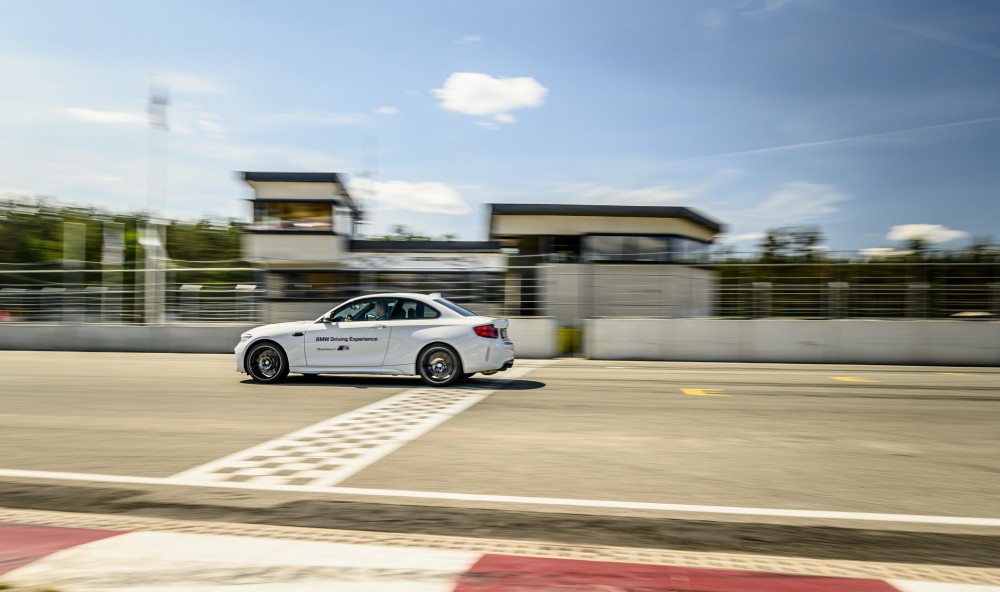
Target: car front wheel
[267,363]
[439,365]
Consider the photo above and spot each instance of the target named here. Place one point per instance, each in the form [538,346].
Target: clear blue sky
[856,115]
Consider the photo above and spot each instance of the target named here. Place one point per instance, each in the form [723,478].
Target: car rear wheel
[267,363]
[439,365]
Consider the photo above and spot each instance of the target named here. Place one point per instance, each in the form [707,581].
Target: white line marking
[916,586]
[511,499]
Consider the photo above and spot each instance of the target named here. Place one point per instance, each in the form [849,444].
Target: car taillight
[486,331]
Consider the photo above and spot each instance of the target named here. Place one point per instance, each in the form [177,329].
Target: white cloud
[609,194]
[878,252]
[112,179]
[744,237]
[435,198]
[505,118]
[481,94]
[931,233]
[758,7]
[715,18]
[654,195]
[209,123]
[112,117]
[183,82]
[211,127]
[466,39]
[800,201]
[385,110]
[770,5]
[310,118]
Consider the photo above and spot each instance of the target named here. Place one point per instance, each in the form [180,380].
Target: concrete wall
[709,340]
[533,337]
[198,339]
[288,246]
[795,341]
[575,291]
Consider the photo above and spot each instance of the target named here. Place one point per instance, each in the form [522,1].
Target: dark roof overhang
[689,214]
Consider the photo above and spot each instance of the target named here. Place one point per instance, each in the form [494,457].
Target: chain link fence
[185,292]
[863,290]
[180,294]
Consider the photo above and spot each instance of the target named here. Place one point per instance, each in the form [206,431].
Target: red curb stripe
[21,544]
[505,573]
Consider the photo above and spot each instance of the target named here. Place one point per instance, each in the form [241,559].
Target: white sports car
[401,334]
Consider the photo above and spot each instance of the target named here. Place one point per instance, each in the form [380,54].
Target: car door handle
[299,334]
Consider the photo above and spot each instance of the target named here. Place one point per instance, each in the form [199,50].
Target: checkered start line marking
[332,450]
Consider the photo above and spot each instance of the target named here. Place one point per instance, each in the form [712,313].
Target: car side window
[369,309]
[354,311]
[383,309]
[412,309]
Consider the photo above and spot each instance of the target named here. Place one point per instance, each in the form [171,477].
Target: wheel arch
[253,344]
[430,344]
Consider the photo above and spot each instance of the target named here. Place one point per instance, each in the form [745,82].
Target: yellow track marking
[704,392]
[852,379]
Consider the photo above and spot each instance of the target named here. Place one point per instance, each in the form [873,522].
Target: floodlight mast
[152,240]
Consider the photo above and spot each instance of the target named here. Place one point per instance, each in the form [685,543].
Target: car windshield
[462,311]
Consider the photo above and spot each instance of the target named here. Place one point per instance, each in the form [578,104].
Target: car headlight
[246,337]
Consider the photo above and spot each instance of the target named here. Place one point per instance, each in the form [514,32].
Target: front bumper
[241,347]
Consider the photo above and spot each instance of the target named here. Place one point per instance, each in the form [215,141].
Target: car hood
[280,328]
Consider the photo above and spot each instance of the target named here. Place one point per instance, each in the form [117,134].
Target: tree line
[32,232]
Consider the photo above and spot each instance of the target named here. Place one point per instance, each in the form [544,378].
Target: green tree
[802,242]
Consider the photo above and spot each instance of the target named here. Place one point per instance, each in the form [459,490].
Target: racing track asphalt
[897,440]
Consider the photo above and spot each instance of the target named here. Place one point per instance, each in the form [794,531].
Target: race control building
[568,262]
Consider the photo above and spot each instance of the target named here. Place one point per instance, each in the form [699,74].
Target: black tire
[439,365]
[267,363]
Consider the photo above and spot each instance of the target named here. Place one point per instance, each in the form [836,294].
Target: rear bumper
[489,355]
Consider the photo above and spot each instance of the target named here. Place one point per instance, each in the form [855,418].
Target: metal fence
[168,294]
[181,292]
[875,290]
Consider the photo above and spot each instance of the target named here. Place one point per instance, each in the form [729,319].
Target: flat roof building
[582,261]
[566,261]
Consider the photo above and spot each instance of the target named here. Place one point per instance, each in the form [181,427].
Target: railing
[181,292]
[178,294]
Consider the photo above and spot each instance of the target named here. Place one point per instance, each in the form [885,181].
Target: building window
[314,285]
[470,287]
[292,215]
[643,249]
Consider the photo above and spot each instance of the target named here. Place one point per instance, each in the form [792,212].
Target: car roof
[425,297]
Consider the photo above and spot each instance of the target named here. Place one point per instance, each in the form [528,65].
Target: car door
[409,319]
[354,338]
